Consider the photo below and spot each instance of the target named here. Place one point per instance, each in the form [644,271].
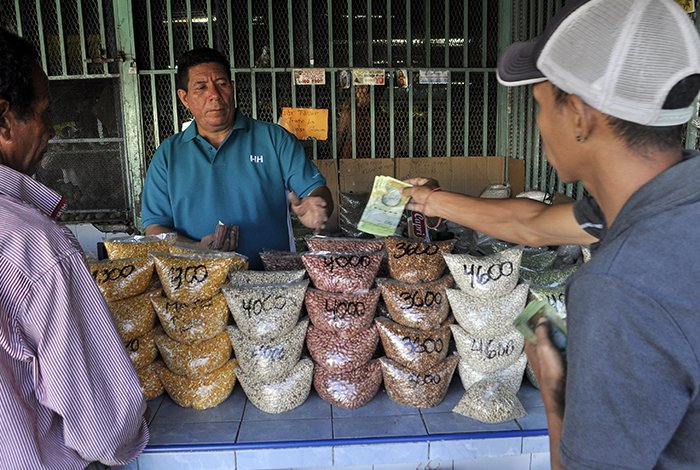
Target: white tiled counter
[381,435]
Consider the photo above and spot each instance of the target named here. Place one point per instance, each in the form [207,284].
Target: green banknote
[385,207]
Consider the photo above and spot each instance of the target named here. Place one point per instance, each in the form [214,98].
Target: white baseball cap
[622,57]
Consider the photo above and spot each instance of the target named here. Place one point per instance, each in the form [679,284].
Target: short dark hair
[198,56]
[17,59]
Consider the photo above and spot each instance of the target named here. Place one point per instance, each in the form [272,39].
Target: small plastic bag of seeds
[349,390]
[511,376]
[415,261]
[134,316]
[341,313]
[266,312]
[342,272]
[203,391]
[548,278]
[344,244]
[281,395]
[188,278]
[423,305]
[142,350]
[122,278]
[490,402]
[138,246]
[488,317]
[341,354]
[243,278]
[269,360]
[194,359]
[151,386]
[416,349]
[276,260]
[488,354]
[196,321]
[351,207]
[556,296]
[418,389]
[538,259]
[486,276]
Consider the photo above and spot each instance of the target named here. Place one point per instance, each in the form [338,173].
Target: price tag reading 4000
[385,207]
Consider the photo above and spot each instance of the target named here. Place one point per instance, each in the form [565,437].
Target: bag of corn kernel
[341,354]
[281,395]
[192,322]
[490,402]
[341,271]
[197,358]
[134,316]
[486,276]
[415,349]
[151,386]
[138,246]
[240,262]
[423,305]
[418,389]
[271,359]
[243,278]
[265,312]
[511,376]
[277,260]
[123,278]
[487,316]
[203,391]
[349,390]
[416,261]
[488,354]
[142,350]
[188,278]
[341,313]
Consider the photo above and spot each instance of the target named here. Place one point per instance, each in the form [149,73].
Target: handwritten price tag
[306,122]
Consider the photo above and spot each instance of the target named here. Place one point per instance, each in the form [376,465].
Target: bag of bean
[511,376]
[188,278]
[423,306]
[243,278]
[122,278]
[197,358]
[266,312]
[556,296]
[134,316]
[416,261]
[349,390]
[276,260]
[548,278]
[341,313]
[538,259]
[340,354]
[488,354]
[486,276]
[488,316]
[271,359]
[344,244]
[490,402]
[142,350]
[192,322]
[202,391]
[151,386]
[341,271]
[418,389]
[416,349]
[281,395]
[138,246]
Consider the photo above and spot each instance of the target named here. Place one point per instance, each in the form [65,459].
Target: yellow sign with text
[306,122]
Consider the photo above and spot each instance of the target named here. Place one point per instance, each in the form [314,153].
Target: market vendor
[226,167]
[616,82]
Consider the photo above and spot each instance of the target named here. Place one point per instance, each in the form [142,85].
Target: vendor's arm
[314,209]
[155,229]
[517,220]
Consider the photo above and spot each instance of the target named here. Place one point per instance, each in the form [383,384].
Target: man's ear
[584,118]
[5,119]
[182,94]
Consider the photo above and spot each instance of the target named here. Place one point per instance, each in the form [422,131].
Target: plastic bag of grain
[122,278]
[418,389]
[191,322]
[142,350]
[244,278]
[266,311]
[488,354]
[339,354]
[138,246]
[200,392]
[416,261]
[548,278]
[339,312]
[511,376]
[555,296]
[422,305]
[342,271]
[490,402]
[239,263]
[134,316]
[487,276]
[277,260]
[268,360]
[197,358]
[415,349]
[349,390]
[151,386]
[344,244]
[281,395]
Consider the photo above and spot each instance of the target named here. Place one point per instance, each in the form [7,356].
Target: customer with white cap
[615,81]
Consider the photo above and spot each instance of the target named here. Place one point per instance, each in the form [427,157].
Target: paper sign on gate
[306,122]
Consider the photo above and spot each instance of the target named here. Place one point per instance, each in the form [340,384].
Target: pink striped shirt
[68,392]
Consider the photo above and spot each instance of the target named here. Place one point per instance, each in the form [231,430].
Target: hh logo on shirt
[256,158]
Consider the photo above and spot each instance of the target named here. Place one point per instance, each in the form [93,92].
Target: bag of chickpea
[138,246]
[281,395]
[123,278]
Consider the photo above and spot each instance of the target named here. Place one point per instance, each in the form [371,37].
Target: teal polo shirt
[191,185]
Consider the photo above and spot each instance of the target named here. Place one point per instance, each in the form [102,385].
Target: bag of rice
[511,376]
[490,402]
[488,354]
[281,395]
[486,276]
[151,386]
[243,278]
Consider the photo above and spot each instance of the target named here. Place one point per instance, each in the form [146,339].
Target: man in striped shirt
[69,395]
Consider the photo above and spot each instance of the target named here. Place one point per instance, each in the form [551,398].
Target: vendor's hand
[419,194]
[549,367]
[207,241]
[311,211]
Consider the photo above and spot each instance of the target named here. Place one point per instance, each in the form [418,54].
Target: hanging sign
[433,77]
[306,123]
[368,77]
[309,76]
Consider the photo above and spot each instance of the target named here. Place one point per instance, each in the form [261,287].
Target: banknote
[384,208]
[526,322]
